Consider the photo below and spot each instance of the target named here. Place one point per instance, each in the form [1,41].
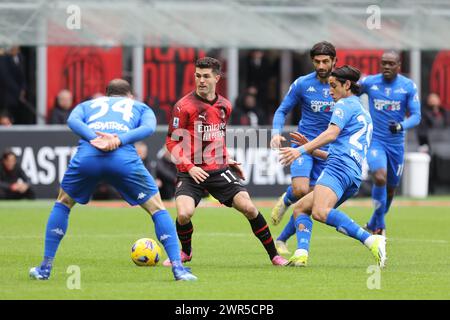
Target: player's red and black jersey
[197,132]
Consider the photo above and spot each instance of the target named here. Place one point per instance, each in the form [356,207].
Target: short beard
[326,76]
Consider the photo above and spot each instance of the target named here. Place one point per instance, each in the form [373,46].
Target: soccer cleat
[298,260]
[279,210]
[281,247]
[183,274]
[184,258]
[378,231]
[378,249]
[279,261]
[39,273]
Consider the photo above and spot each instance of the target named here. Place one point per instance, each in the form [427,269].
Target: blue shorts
[127,174]
[389,158]
[345,185]
[307,166]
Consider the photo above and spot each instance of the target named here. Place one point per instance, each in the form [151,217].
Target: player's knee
[249,210]
[184,216]
[300,191]
[380,178]
[301,208]
[320,212]
[243,203]
[154,204]
[65,199]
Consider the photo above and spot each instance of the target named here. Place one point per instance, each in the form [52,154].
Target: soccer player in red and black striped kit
[196,140]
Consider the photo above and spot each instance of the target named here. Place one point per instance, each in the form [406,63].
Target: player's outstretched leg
[56,229]
[282,205]
[166,234]
[244,204]
[345,225]
[325,199]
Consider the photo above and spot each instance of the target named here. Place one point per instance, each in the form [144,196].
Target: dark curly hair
[323,48]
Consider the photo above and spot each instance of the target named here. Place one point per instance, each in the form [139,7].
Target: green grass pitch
[229,261]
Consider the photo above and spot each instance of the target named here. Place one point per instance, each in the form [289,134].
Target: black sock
[262,231]
[185,235]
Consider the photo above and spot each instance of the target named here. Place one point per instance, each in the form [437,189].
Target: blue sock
[56,229]
[303,227]
[167,234]
[289,198]
[288,230]
[382,222]
[379,196]
[345,225]
[388,205]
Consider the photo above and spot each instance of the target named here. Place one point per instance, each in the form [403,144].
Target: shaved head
[391,55]
[118,87]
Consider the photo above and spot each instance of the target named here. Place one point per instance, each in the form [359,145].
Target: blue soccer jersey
[316,104]
[122,168]
[313,97]
[390,100]
[131,120]
[342,173]
[348,151]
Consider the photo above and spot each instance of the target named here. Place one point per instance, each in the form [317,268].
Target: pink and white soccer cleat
[184,258]
[279,261]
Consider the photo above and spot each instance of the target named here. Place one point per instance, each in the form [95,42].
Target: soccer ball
[145,252]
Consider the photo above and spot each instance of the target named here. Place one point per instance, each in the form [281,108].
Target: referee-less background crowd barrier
[44,153]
